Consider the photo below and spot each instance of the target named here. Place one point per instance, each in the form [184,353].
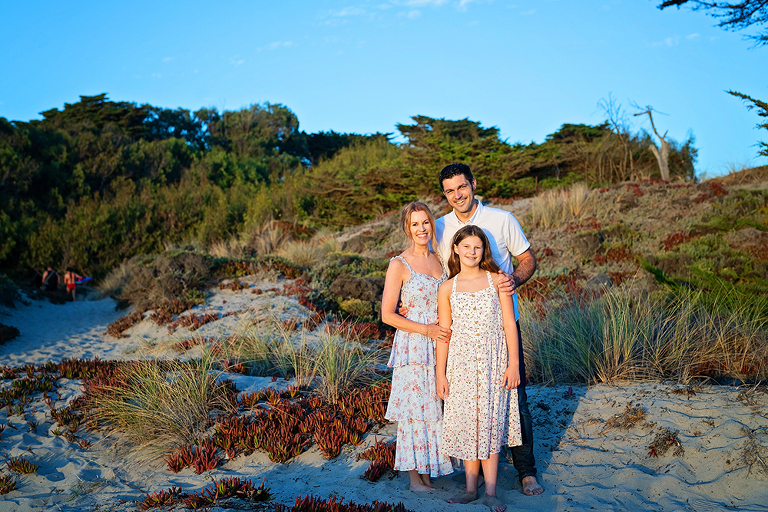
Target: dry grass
[303,254]
[235,247]
[630,417]
[555,207]
[269,239]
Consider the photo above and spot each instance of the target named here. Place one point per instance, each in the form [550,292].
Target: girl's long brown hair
[405,221]
[486,262]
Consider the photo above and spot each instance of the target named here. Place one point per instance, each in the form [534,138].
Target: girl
[478,372]
[414,277]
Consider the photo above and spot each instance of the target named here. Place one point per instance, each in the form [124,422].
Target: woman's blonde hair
[405,221]
[486,262]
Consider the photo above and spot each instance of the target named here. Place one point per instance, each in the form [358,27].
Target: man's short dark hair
[449,171]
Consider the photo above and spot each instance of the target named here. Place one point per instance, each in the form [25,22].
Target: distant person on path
[506,239]
[70,279]
[50,280]
[415,276]
[478,371]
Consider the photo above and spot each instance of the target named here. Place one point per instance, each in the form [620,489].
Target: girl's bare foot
[426,481]
[494,504]
[480,482]
[467,497]
[420,487]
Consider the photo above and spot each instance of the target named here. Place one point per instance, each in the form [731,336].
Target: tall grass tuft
[624,335]
[342,365]
[167,403]
[269,239]
[555,207]
[303,254]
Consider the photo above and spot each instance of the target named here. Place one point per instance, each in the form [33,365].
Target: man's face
[460,193]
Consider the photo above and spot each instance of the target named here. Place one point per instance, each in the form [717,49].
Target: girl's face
[420,228]
[470,251]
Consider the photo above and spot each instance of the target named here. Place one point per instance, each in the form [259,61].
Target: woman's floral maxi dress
[413,402]
[480,413]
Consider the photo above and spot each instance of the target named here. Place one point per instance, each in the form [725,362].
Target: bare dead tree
[617,118]
[662,155]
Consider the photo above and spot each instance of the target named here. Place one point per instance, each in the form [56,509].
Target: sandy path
[52,332]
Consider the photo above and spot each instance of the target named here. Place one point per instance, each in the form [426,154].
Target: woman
[414,277]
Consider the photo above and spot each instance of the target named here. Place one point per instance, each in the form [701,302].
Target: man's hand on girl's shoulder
[506,283]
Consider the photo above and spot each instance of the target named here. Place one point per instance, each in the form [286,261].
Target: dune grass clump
[342,365]
[556,207]
[623,335]
[168,403]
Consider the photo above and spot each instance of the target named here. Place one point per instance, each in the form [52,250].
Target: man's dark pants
[522,456]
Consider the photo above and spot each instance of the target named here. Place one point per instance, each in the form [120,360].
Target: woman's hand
[437,333]
[511,377]
[442,387]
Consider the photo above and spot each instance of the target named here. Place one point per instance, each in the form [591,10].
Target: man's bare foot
[420,487]
[531,486]
[464,498]
[480,482]
[494,504]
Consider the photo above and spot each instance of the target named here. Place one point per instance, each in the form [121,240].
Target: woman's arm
[396,276]
[512,373]
[441,349]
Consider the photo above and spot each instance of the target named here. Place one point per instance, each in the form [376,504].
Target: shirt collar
[473,218]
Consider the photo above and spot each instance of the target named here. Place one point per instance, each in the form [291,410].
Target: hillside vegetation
[101,181]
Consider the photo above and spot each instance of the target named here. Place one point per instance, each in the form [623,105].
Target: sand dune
[586,460]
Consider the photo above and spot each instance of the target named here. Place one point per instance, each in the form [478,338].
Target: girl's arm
[396,276]
[441,348]
[512,373]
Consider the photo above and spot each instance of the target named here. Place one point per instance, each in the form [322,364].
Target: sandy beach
[634,446]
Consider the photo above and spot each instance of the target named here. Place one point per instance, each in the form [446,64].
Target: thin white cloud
[692,37]
[167,59]
[411,15]
[668,42]
[276,44]
[349,11]
[419,3]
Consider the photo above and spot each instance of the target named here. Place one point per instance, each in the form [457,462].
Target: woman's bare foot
[467,497]
[420,487]
[531,486]
[494,504]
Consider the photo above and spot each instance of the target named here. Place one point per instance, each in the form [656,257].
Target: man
[506,239]
[50,280]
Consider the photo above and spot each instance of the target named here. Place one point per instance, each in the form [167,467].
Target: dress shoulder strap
[405,262]
[453,287]
[490,279]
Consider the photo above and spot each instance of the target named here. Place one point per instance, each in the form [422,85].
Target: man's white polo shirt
[504,233]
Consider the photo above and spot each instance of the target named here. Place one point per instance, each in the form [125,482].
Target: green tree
[733,16]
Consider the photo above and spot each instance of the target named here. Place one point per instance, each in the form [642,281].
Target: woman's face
[420,228]
[470,251]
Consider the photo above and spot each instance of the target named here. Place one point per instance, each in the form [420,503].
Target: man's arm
[525,268]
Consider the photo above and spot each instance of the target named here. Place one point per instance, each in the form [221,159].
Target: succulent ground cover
[218,423]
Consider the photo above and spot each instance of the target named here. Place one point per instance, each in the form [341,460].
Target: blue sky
[364,66]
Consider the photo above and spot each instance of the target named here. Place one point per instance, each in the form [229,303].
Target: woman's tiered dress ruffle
[413,402]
